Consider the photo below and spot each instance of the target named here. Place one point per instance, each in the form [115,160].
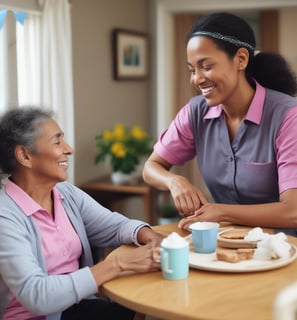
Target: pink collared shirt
[60,243]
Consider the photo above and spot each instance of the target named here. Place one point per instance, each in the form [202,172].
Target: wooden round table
[203,295]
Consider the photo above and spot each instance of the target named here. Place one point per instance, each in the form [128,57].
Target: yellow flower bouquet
[124,146]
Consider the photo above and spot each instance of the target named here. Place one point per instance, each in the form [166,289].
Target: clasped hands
[191,204]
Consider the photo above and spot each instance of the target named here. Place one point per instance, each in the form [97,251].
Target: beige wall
[100,101]
[288,24]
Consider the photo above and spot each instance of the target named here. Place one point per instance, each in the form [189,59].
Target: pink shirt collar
[24,201]
[255,111]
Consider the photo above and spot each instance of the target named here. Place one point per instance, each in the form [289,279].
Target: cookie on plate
[234,234]
[234,255]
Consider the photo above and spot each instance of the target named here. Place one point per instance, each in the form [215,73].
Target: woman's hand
[137,259]
[187,198]
[146,235]
[142,259]
[209,212]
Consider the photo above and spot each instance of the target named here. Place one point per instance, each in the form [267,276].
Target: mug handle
[165,261]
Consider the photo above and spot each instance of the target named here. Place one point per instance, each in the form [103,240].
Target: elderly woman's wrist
[144,235]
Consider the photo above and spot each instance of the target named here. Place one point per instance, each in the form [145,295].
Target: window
[38,73]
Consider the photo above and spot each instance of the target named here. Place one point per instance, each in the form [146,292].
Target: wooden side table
[105,192]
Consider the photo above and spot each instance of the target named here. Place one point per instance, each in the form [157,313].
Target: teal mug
[175,260]
[204,236]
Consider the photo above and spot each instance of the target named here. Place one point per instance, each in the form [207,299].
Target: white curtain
[45,65]
[4,72]
[29,61]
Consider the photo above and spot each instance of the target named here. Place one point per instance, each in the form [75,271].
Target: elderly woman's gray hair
[19,127]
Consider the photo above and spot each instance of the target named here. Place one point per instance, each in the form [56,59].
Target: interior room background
[99,101]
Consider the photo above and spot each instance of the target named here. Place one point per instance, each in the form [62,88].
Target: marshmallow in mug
[174,240]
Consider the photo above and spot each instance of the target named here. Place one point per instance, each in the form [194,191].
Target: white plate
[209,262]
[235,243]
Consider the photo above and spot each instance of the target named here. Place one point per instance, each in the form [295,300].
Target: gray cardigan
[22,264]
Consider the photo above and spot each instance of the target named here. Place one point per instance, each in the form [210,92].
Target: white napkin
[273,246]
[256,234]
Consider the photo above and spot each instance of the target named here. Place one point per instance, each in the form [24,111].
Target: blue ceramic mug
[204,236]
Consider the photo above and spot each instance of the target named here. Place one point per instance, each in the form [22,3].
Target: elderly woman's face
[212,71]
[50,162]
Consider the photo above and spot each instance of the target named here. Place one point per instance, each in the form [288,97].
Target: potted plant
[168,213]
[124,147]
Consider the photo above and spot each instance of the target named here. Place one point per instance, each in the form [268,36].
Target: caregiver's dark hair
[230,33]
[19,127]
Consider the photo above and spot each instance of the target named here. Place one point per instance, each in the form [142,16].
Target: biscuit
[234,234]
[227,255]
[234,255]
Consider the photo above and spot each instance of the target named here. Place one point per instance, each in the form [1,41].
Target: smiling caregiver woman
[242,128]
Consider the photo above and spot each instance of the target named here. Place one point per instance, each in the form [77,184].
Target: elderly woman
[48,227]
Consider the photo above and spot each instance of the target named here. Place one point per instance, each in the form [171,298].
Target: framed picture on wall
[130,55]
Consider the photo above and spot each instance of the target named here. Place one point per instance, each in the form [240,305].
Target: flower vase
[118,177]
